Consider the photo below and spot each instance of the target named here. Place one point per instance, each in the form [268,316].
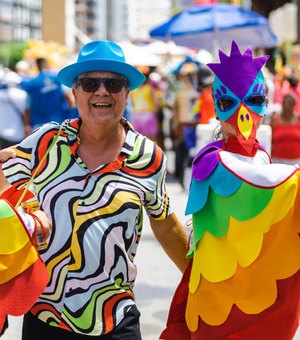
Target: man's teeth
[101,105]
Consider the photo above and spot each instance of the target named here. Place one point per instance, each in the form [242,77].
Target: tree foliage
[11,53]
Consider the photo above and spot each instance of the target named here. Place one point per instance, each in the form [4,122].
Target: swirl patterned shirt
[97,222]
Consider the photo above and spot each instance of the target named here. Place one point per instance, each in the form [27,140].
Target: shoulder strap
[38,167]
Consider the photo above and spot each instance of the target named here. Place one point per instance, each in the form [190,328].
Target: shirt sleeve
[157,203]
[18,170]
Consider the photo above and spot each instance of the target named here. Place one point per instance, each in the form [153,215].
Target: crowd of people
[89,144]
[167,108]
[181,100]
[28,102]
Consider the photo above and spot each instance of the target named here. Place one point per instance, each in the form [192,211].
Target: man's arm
[172,237]
[26,121]
[5,154]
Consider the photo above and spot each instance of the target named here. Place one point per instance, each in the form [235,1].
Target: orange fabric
[206,106]
[12,195]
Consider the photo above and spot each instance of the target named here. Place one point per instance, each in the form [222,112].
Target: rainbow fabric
[243,281]
[23,275]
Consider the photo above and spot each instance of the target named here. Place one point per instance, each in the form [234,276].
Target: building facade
[20,20]
[74,22]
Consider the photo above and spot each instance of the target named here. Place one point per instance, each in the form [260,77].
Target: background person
[146,104]
[100,175]
[286,132]
[12,107]
[184,118]
[47,100]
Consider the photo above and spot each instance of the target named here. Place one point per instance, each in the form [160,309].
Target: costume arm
[172,237]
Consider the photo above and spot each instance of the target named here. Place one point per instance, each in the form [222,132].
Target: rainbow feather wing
[245,240]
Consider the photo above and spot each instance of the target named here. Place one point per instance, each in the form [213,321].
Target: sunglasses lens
[113,85]
[256,99]
[90,84]
[225,103]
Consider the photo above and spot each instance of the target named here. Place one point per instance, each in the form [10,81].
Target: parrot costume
[243,281]
[23,274]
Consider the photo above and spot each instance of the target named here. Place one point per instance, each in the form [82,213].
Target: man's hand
[43,224]
[7,153]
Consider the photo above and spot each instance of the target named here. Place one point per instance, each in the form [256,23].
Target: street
[157,276]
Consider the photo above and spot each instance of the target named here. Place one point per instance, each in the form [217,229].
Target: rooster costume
[243,281]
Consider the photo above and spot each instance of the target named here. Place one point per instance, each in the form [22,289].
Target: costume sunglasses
[112,85]
[226,103]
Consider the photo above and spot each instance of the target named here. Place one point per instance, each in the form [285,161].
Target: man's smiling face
[100,106]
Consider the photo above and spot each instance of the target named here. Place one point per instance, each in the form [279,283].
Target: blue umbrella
[214,27]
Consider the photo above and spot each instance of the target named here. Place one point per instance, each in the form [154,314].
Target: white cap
[9,78]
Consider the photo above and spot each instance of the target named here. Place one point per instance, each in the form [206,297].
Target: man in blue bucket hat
[94,184]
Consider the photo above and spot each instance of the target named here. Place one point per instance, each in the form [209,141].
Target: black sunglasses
[112,85]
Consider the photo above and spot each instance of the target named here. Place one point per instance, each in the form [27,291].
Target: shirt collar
[71,129]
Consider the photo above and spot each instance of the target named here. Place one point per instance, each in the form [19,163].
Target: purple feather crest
[238,70]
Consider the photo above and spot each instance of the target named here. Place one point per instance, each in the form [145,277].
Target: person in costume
[243,281]
[23,275]
[96,181]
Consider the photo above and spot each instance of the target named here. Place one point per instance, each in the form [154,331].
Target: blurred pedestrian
[286,133]
[205,102]
[98,179]
[47,101]
[287,83]
[146,105]
[12,107]
[22,68]
[184,119]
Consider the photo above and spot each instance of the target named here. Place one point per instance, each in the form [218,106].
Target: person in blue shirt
[47,100]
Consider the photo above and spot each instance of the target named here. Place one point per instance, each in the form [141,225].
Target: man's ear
[74,93]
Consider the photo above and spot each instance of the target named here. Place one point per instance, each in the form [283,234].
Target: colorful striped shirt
[97,222]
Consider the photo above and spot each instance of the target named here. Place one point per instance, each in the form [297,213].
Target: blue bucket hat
[101,55]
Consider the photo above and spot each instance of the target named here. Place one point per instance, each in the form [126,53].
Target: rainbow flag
[23,275]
